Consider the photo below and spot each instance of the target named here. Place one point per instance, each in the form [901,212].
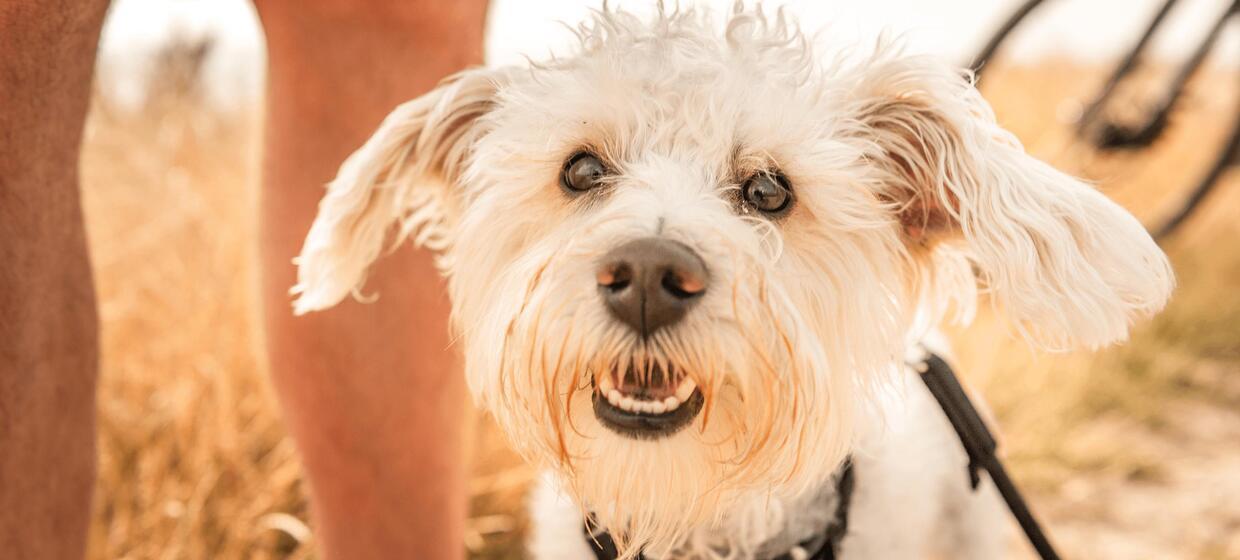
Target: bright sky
[1083,29]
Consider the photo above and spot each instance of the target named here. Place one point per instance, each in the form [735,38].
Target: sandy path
[1189,509]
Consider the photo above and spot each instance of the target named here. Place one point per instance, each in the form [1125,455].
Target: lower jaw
[643,426]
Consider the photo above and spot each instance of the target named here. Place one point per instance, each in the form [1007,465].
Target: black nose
[651,283]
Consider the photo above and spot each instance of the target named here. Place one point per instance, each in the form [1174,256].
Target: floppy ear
[402,176]
[1068,266]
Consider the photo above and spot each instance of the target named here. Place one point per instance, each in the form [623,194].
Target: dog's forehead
[686,87]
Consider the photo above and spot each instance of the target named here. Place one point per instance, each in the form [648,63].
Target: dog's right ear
[1069,267]
[405,176]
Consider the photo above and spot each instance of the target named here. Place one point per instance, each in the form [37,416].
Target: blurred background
[1131,452]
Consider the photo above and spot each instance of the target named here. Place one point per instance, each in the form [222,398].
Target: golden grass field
[1133,452]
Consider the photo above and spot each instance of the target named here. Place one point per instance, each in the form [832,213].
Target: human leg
[48,324]
[371,392]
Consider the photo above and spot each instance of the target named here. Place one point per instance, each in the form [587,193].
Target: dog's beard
[776,418]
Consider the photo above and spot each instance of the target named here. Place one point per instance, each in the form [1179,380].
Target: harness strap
[980,445]
[823,545]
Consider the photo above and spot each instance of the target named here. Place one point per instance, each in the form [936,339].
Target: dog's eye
[768,193]
[582,172]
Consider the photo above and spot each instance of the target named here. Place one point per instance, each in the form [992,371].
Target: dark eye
[768,193]
[582,173]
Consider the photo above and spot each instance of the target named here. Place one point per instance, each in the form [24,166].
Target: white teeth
[607,388]
[685,390]
[618,400]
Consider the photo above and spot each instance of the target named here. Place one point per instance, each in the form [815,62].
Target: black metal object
[1229,156]
[980,445]
[1000,35]
[1115,136]
[1108,135]
[1125,67]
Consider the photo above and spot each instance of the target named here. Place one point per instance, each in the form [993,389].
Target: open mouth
[659,405]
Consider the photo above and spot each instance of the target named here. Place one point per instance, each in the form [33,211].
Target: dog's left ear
[1069,266]
[405,175]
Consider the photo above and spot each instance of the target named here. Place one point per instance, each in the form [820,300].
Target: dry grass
[195,463]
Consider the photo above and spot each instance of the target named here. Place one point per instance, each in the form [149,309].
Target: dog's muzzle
[649,284]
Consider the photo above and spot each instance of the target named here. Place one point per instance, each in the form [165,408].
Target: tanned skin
[371,393]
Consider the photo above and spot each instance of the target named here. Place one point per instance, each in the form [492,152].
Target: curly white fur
[904,186]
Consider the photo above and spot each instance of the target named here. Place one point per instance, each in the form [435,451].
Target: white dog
[686,267]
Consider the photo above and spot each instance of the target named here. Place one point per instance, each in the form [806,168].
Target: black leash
[823,545]
[980,446]
[978,443]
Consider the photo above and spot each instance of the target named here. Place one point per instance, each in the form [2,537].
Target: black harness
[822,545]
[978,443]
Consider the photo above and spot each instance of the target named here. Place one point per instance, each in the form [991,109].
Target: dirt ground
[1188,510]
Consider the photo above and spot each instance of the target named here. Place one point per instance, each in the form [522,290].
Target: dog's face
[678,259]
